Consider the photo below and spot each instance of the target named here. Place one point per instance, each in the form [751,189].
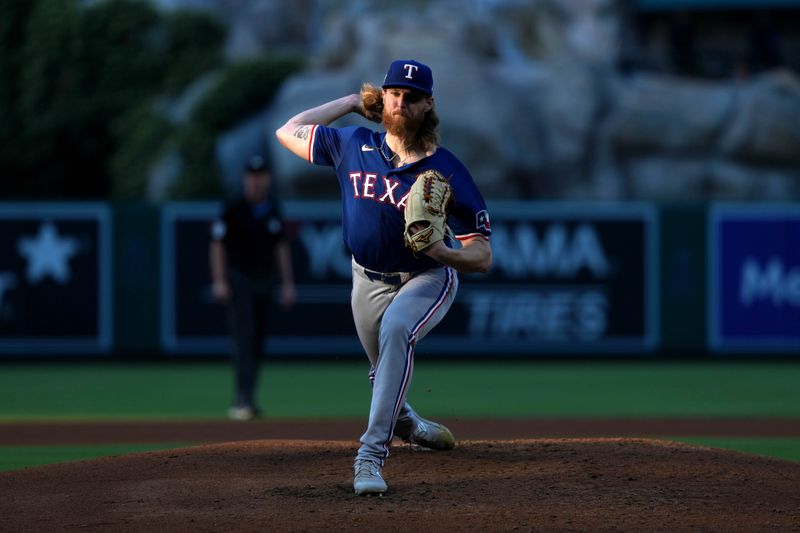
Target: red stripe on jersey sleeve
[311,143]
[470,236]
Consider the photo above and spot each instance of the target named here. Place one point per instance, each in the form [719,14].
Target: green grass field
[339,389]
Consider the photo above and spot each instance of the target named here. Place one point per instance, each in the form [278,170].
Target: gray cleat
[242,412]
[432,435]
[426,433]
[368,478]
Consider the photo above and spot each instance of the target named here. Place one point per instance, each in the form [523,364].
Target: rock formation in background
[531,99]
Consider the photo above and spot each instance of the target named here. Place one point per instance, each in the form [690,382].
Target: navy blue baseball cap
[410,74]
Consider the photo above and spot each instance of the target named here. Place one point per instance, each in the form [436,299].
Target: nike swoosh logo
[365,148]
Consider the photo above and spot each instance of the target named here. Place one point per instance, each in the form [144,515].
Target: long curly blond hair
[372,103]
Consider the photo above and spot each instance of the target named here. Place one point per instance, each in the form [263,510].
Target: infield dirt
[547,484]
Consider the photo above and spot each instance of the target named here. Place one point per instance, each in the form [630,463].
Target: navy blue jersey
[374,196]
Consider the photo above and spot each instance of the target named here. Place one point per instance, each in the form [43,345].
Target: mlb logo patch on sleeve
[482,220]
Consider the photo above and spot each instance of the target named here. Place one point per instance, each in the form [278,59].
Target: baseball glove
[426,210]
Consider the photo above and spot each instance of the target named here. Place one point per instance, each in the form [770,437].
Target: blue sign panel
[55,278]
[568,277]
[319,323]
[754,278]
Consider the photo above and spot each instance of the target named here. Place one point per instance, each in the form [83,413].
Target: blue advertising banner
[754,278]
[55,278]
[568,277]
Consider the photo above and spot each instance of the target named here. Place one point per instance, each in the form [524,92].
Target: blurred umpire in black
[247,244]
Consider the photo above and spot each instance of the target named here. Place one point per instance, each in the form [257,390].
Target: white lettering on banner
[545,315]
[773,282]
[519,252]
[325,251]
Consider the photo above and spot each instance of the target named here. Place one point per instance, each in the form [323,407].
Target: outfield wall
[588,279]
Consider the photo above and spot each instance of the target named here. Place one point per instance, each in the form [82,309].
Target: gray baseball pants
[390,319]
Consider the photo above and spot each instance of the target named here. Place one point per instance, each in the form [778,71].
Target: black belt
[390,278]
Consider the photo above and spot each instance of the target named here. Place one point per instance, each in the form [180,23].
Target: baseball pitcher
[412,216]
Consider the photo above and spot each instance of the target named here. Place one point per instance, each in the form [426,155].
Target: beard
[402,126]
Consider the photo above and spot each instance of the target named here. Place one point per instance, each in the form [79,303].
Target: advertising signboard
[754,278]
[55,278]
[569,277]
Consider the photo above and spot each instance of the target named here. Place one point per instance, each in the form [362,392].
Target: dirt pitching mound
[541,485]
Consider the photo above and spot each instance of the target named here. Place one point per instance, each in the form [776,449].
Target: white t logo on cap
[410,69]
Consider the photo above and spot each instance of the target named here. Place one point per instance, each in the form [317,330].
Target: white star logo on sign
[48,254]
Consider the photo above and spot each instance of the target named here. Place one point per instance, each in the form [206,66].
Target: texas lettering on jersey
[367,185]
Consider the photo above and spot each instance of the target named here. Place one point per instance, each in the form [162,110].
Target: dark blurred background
[640,158]
[667,100]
